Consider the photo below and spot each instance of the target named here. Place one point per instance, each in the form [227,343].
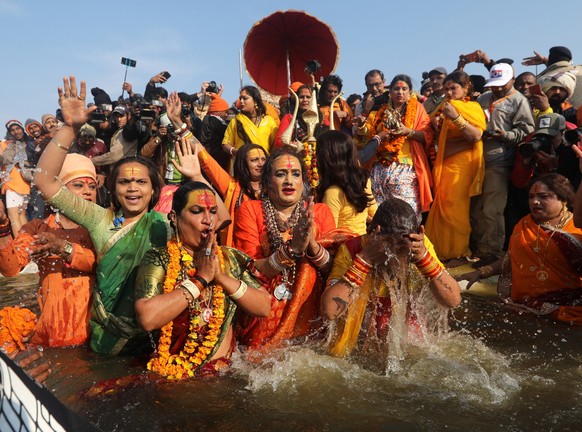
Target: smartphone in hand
[535,90]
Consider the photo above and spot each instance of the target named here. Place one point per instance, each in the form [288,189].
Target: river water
[495,370]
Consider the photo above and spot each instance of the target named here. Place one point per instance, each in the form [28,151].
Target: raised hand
[73,107]
[417,247]
[536,59]
[174,109]
[188,164]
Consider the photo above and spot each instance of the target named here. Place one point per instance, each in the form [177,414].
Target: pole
[240,68]
[124,79]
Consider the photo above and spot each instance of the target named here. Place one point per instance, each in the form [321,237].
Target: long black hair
[241,168]
[338,165]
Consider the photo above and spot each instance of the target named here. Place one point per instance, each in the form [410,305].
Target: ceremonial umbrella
[278,47]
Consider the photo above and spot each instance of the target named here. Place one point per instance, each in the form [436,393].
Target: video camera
[537,143]
[100,115]
[572,136]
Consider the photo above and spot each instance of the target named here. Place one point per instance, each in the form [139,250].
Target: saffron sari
[64,294]
[289,318]
[546,281]
[456,179]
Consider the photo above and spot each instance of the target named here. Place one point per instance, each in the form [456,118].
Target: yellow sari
[456,179]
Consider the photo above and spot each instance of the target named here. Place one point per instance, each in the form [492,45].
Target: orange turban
[295,86]
[217,104]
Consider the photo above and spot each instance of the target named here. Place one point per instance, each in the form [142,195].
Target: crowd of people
[199,227]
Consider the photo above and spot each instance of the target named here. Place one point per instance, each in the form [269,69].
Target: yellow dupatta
[473,113]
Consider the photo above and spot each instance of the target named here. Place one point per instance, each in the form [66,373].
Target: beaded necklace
[275,226]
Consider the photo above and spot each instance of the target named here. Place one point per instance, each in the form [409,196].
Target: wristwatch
[68,249]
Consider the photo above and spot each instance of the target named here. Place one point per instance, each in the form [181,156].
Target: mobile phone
[472,57]
[535,90]
[166,74]
[128,62]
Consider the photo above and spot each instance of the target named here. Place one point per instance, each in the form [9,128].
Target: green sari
[113,323]
[114,328]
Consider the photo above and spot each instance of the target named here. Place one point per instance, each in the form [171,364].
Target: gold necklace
[541,274]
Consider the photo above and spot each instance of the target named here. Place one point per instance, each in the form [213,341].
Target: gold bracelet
[59,145]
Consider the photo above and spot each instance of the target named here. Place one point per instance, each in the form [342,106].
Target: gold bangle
[59,145]
[242,289]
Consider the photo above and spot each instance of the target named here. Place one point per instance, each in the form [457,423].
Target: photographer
[544,151]
[124,139]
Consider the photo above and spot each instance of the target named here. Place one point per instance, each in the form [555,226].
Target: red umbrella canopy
[294,33]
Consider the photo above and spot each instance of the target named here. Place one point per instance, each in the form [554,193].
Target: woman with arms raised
[190,289]
[121,234]
[248,166]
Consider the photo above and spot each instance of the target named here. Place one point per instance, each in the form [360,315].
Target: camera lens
[572,136]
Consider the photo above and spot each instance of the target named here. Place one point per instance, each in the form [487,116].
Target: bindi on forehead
[286,162]
[131,171]
[255,153]
[202,198]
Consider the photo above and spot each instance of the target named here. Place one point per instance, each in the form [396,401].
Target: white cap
[499,75]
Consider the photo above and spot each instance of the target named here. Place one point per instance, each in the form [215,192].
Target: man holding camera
[124,139]
[509,120]
[548,149]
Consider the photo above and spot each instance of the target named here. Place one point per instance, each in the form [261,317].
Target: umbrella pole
[288,70]
[240,67]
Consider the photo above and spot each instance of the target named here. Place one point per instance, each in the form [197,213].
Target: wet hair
[338,165]
[268,169]
[401,77]
[395,217]
[153,173]
[181,195]
[372,73]
[460,78]
[241,168]
[559,185]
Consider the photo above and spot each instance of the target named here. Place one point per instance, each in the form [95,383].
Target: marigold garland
[390,146]
[310,160]
[193,354]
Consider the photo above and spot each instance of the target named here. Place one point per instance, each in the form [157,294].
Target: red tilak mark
[289,165]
